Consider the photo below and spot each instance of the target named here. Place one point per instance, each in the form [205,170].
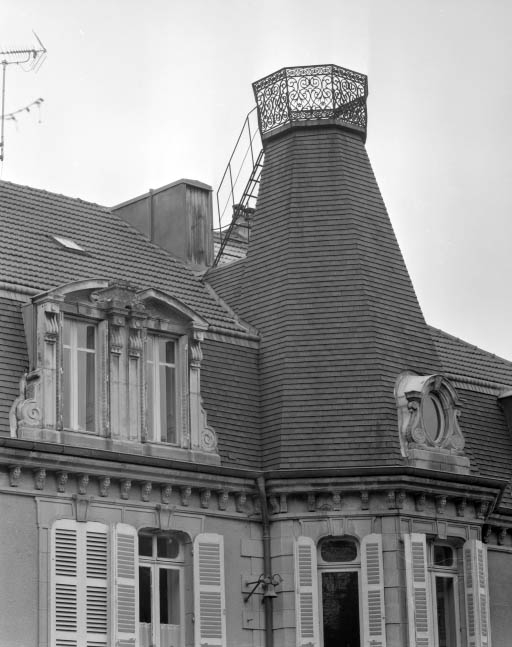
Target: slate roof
[114,249]
[325,284]
[488,438]
[13,357]
[461,358]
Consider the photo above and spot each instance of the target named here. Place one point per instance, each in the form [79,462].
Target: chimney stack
[178,217]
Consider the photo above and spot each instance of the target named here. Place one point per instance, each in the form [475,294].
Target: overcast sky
[139,93]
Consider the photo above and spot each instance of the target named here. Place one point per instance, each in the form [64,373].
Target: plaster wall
[25,562]
[18,571]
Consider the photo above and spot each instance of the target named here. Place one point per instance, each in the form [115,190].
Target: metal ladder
[244,205]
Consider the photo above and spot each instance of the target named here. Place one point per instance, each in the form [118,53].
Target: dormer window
[79,375]
[114,364]
[428,413]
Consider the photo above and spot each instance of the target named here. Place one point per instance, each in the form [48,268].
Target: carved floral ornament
[428,412]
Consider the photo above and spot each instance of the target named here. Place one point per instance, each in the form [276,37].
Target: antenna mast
[29,59]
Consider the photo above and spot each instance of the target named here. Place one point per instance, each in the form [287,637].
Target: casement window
[162,360]
[445,597]
[161,590]
[79,374]
[339,589]
[110,586]
[437,583]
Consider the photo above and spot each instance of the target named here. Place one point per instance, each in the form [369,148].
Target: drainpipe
[267,566]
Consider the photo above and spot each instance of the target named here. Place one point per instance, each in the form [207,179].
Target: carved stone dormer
[140,352]
[428,413]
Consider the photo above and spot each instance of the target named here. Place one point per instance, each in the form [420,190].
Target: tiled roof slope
[326,286]
[227,281]
[231,398]
[30,257]
[460,358]
[488,439]
[13,357]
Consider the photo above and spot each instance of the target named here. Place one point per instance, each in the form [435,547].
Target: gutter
[267,561]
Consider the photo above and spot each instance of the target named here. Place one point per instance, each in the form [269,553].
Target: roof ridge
[66,198]
[469,344]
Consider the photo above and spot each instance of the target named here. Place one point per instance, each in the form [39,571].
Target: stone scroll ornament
[25,412]
[428,415]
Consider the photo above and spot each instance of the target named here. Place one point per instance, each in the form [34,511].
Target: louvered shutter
[96,582]
[209,592]
[64,571]
[476,593]
[306,593]
[79,608]
[419,605]
[372,576]
[126,602]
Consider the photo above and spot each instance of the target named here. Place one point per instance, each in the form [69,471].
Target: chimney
[324,280]
[178,217]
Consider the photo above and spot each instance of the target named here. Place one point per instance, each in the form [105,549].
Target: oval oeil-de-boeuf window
[338,549]
[433,417]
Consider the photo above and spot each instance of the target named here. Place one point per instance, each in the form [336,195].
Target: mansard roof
[113,249]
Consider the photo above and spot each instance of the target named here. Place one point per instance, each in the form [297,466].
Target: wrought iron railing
[314,92]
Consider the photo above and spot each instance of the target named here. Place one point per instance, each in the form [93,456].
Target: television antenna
[29,59]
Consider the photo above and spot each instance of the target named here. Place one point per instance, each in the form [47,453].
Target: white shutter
[64,574]
[126,601]
[96,582]
[476,593]
[209,591]
[419,605]
[306,593]
[79,609]
[372,575]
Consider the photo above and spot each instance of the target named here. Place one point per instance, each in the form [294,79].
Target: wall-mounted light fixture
[268,583]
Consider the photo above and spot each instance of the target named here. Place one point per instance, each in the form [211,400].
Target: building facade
[274,451]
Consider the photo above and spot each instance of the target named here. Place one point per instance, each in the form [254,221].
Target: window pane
[144,594]
[167,405]
[86,390]
[85,335]
[66,387]
[168,354]
[443,556]
[169,596]
[167,547]
[445,612]
[66,332]
[146,545]
[338,550]
[340,604]
[150,392]
[431,412]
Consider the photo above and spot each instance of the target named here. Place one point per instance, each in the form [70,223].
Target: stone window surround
[124,315]
[444,452]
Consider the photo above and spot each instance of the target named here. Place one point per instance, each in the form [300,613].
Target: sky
[139,93]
